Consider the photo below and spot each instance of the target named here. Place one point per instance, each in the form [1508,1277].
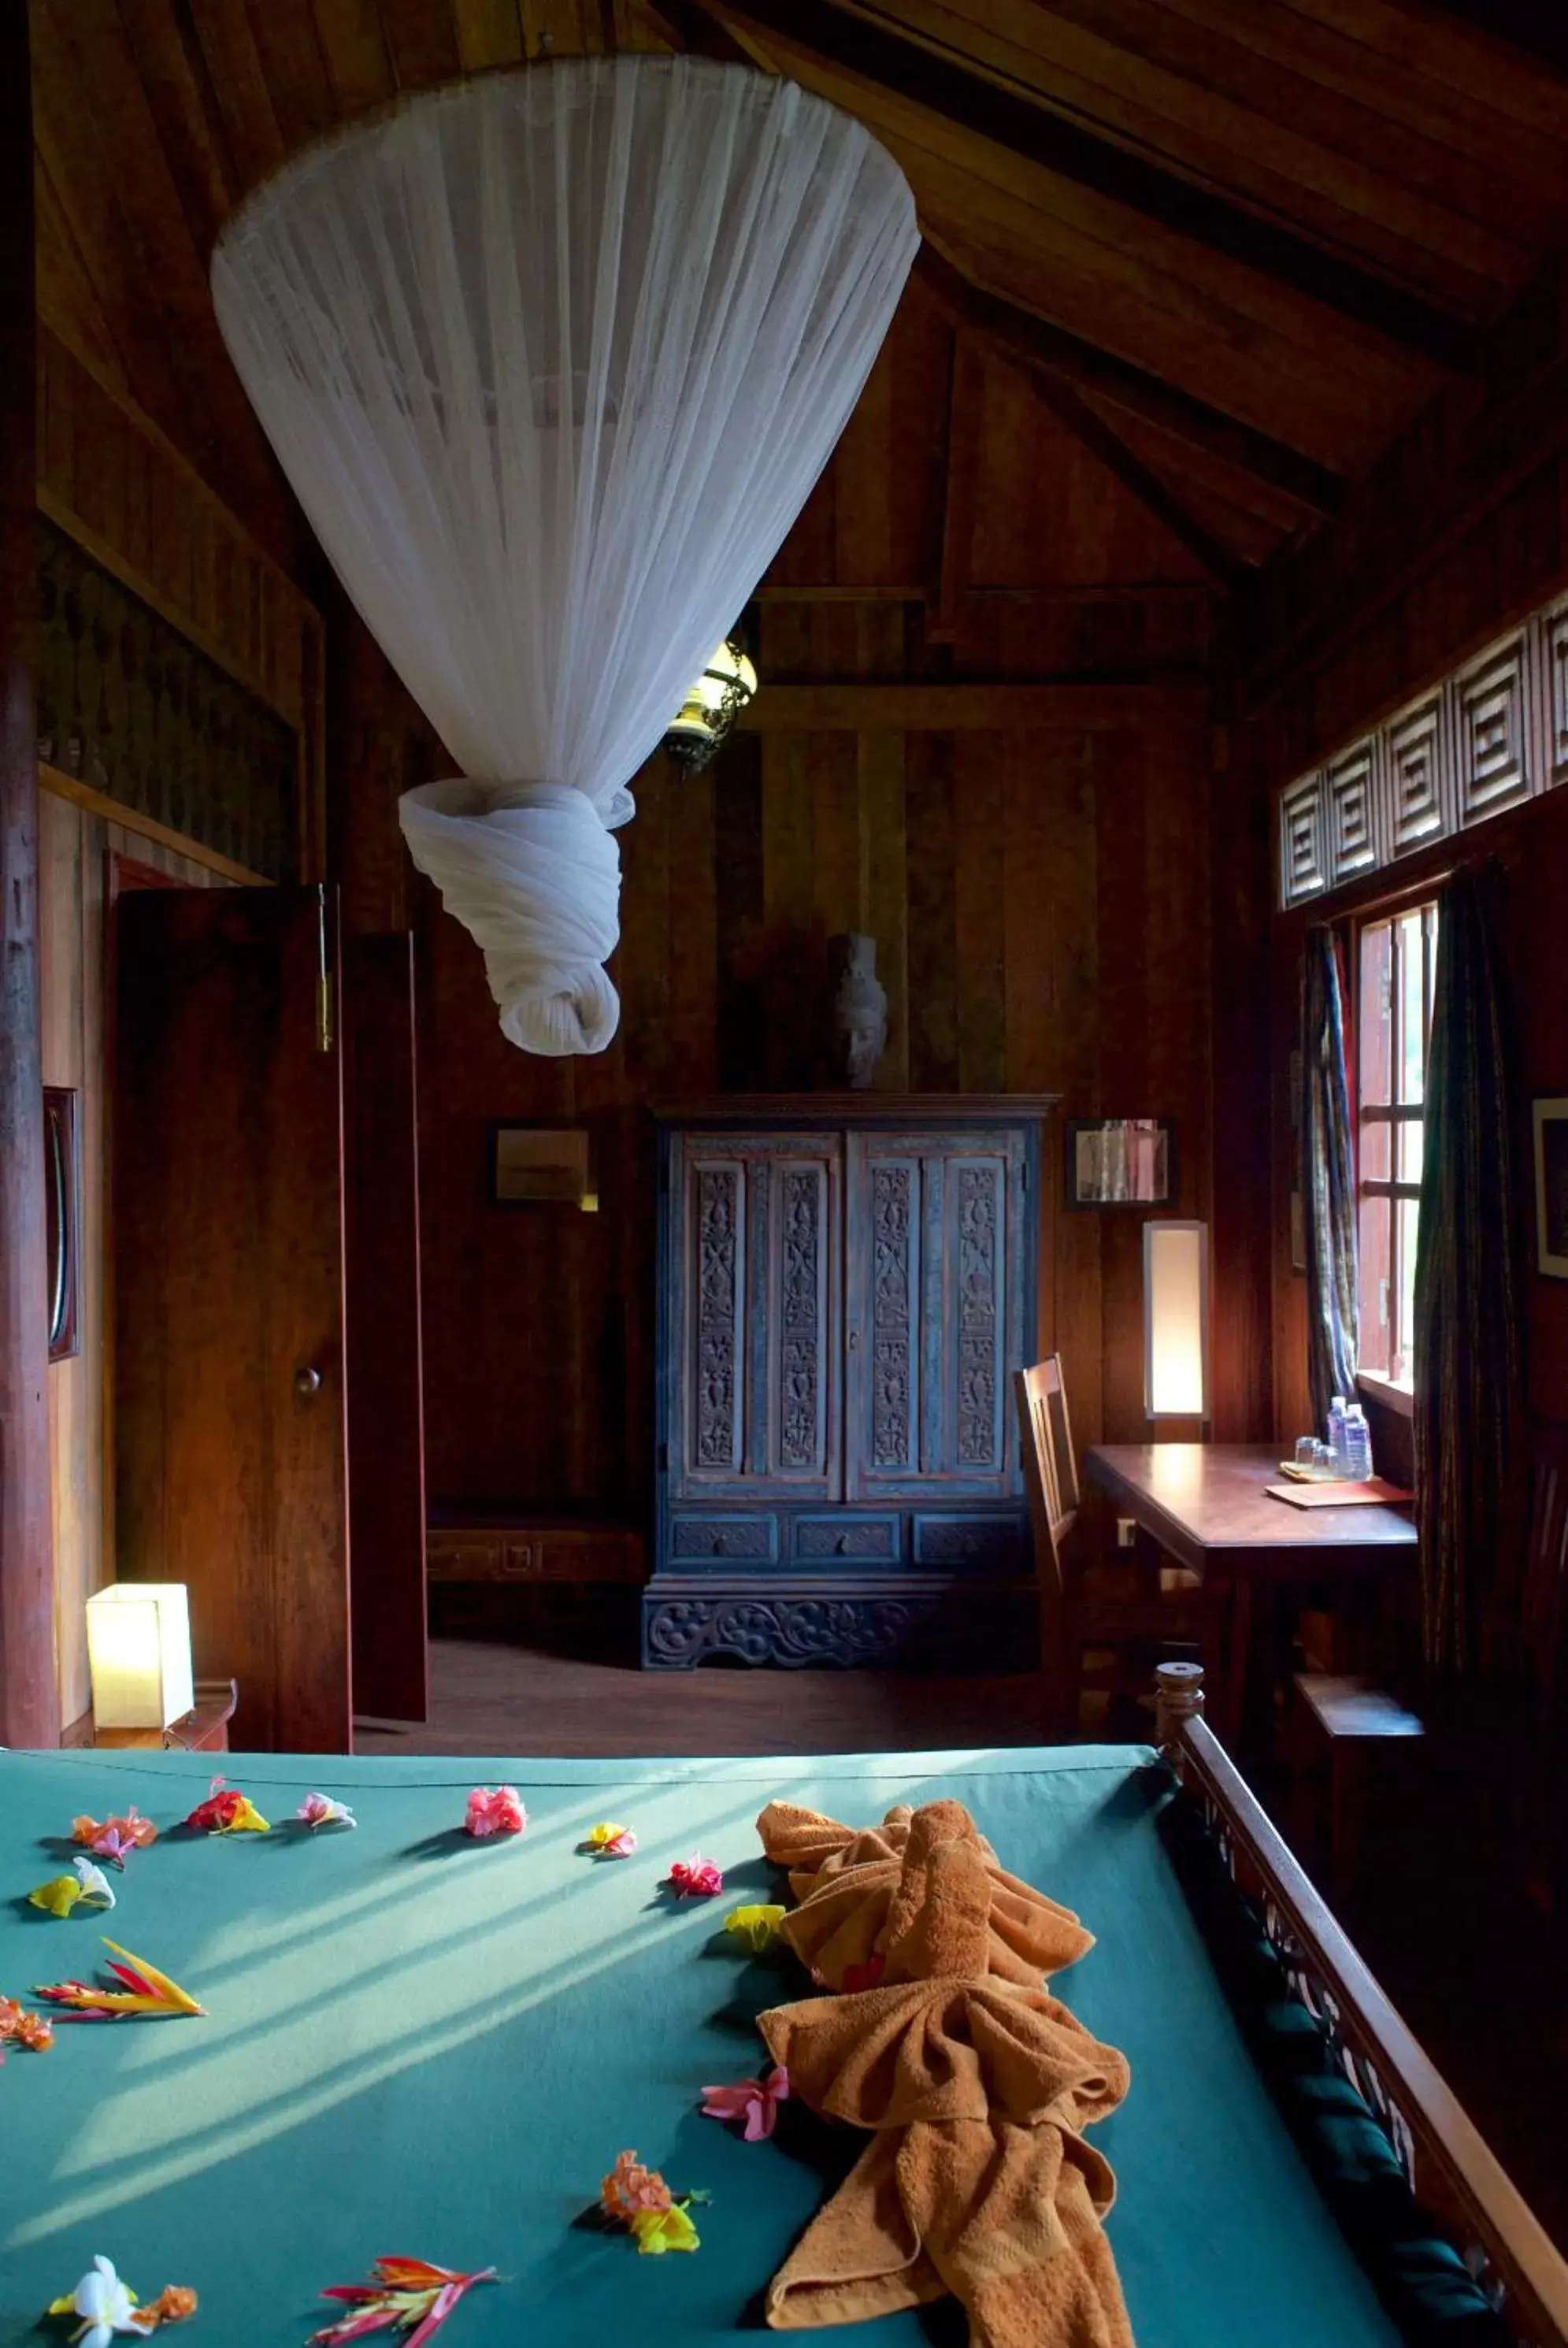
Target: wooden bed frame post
[1178,1697]
[1452,2170]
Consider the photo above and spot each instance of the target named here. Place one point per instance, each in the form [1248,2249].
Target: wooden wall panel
[116,484]
[27,1709]
[1042,900]
[81,852]
[1463,533]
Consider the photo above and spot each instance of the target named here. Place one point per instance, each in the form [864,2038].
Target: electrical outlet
[1126,1533]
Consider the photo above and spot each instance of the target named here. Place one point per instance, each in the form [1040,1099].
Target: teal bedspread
[423,2045]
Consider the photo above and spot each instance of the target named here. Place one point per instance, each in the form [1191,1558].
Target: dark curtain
[1466,1323]
[1327,1178]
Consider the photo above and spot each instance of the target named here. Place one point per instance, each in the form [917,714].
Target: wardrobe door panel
[755,1317]
[938,1258]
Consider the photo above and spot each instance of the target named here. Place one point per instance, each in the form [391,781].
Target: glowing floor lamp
[1176,1320]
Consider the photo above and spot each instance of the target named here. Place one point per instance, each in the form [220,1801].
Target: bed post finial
[1178,1697]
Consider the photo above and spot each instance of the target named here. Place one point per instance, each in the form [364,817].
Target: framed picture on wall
[1552,1187]
[540,1166]
[1121,1161]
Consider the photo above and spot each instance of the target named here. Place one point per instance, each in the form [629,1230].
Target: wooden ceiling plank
[1467,119]
[289,44]
[1033,342]
[1000,117]
[1413,37]
[353,43]
[182,105]
[1518,24]
[67,297]
[489,33]
[1344,197]
[423,38]
[219,40]
[81,172]
[219,431]
[1336,402]
[1241,340]
[1475,163]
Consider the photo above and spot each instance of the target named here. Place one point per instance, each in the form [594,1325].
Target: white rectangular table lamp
[1176,1320]
[139,1651]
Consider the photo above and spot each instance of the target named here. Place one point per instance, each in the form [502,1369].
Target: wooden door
[938,1265]
[755,1302]
[227,1183]
[385,1379]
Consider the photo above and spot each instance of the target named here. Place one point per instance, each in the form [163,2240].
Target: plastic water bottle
[1358,1463]
[1335,1433]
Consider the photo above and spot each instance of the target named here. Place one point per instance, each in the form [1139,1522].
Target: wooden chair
[1102,1626]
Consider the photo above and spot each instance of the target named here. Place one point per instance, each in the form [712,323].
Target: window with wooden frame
[1395,961]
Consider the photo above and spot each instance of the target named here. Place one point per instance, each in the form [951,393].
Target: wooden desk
[1206,1506]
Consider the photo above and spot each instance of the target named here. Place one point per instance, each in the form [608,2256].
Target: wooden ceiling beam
[1050,351]
[960,707]
[941,85]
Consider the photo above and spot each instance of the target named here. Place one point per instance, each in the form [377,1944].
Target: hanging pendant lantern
[552,359]
[708,715]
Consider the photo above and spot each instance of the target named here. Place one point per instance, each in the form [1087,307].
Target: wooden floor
[1490,2007]
[491,1698]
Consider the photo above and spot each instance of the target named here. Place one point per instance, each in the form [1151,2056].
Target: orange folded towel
[848,1883]
[975,2088]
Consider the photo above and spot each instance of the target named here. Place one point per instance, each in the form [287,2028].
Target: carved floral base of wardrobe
[847,1283]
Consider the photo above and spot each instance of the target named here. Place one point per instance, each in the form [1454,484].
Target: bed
[419,2043]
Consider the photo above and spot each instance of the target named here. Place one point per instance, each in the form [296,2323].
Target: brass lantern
[707,716]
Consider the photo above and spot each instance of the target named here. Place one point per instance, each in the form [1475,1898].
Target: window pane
[1376,1253]
[1410,1009]
[1403,1350]
[1373,1072]
[1411,1131]
[1375,1150]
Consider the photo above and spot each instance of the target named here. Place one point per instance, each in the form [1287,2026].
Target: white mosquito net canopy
[552,359]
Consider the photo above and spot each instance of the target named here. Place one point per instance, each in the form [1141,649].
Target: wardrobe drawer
[972,1544]
[838,1537]
[740,1539]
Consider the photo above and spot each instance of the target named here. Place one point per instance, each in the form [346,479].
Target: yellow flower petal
[247,1820]
[757,1926]
[58,1897]
[658,2230]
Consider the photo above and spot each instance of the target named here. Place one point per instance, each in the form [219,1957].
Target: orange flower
[174,2304]
[630,2187]
[20,2028]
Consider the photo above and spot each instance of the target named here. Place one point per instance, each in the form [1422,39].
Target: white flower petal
[96,1885]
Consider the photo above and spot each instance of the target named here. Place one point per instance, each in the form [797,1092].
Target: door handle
[307,1382]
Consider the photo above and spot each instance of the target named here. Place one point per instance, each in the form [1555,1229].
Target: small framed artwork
[63,1213]
[1552,1187]
[540,1166]
[1121,1161]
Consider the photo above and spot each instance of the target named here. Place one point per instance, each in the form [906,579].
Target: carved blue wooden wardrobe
[846,1284]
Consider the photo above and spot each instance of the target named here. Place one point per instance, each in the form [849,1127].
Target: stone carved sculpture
[859,1027]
